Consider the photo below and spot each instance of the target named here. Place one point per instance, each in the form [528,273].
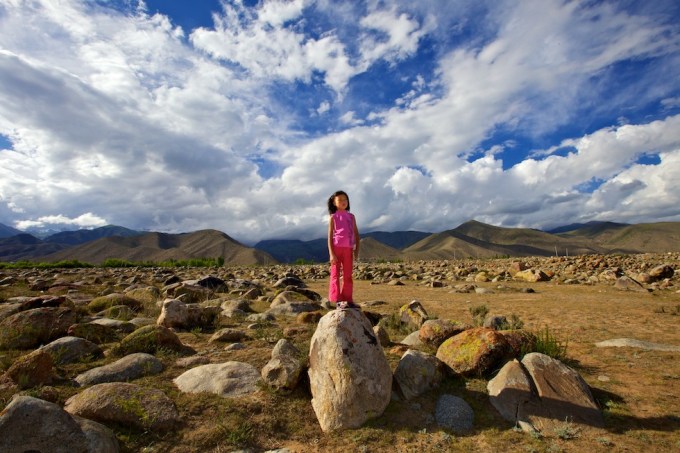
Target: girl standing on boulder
[343,248]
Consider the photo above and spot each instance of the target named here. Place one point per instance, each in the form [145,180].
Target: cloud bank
[531,113]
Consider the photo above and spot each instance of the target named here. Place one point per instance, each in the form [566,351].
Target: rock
[127,405]
[150,339]
[510,389]
[382,335]
[531,275]
[116,324]
[111,300]
[30,424]
[177,314]
[289,280]
[229,335]
[282,372]
[661,272]
[412,339]
[31,370]
[94,332]
[413,314]
[495,322]
[100,439]
[308,317]
[227,379]
[147,295]
[454,414]
[520,341]
[417,373]
[121,312]
[633,343]
[540,393]
[350,377]
[294,308]
[31,328]
[67,350]
[433,332]
[473,352]
[626,283]
[288,297]
[188,293]
[128,368]
[213,283]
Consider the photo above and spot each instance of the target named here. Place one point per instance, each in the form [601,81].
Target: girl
[343,247]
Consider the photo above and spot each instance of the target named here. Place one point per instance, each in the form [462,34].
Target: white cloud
[121,118]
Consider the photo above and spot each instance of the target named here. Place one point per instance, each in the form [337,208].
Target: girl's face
[341,202]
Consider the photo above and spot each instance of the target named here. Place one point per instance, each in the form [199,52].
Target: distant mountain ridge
[471,239]
[8,231]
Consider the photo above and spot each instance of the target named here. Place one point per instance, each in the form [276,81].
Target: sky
[245,116]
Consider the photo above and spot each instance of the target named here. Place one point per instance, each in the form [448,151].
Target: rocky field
[254,358]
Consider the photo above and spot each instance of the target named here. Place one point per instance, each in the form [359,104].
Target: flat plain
[638,389]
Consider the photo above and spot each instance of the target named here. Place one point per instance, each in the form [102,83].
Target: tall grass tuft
[547,343]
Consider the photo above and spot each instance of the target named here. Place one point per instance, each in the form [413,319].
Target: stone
[176,314]
[150,339]
[495,322]
[294,308]
[110,300]
[188,293]
[531,275]
[31,328]
[434,332]
[413,314]
[282,372]
[127,405]
[30,424]
[100,439]
[94,332]
[213,283]
[147,295]
[382,335]
[540,393]
[229,335]
[633,343]
[121,312]
[350,377]
[228,379]
[417,373]
[661,272]
[128,368]
[455,414]
[31,370]
[473,352]
[626,283]
[69,349]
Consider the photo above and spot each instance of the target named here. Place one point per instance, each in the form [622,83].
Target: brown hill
[658,237]
[372,250]
[479,240]
[163,247]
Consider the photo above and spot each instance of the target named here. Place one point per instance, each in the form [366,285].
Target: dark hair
[331,201]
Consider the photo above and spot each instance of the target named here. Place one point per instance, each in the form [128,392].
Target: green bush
[478,314]
[547,343]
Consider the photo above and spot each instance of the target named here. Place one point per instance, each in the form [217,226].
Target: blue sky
[244,116]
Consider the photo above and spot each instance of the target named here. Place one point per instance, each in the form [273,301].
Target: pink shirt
[343,231]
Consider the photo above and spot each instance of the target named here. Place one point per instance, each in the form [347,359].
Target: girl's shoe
[345,305]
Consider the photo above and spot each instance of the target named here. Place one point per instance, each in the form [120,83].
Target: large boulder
[31,328]
[473,352]
[227,379]
[350,377]
[454,413]
[111,300]
[95,332]
[540,393]
[126,404]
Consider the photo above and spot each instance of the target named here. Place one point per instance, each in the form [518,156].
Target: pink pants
[344,257]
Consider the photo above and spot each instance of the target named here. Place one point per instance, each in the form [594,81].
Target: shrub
[548,344]
[478,314]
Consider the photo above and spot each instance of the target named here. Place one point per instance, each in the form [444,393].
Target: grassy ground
[638,390]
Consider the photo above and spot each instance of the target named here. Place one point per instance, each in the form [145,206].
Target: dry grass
[639,390]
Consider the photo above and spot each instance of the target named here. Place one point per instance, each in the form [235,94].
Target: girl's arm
[330,240]
[357,238]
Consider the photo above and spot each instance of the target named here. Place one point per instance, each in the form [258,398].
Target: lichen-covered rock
[417,373]
[473,352]
[413,314]
[126,369]
[32,370]
[227,379]
[69,349]
[111,300]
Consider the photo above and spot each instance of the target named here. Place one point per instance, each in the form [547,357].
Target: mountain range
[472,239]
